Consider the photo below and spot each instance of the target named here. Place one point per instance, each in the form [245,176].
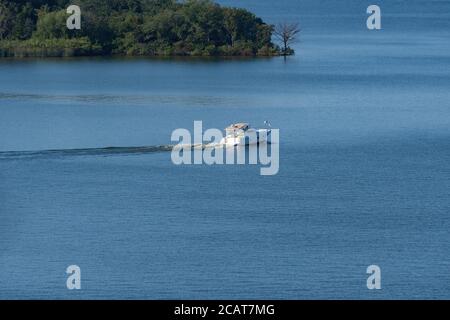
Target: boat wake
[108,151]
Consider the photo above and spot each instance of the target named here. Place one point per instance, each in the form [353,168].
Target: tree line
[134,27]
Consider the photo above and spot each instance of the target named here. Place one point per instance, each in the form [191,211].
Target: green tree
[6,21]
[51,25]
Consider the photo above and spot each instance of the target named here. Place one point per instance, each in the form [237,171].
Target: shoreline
[142,57]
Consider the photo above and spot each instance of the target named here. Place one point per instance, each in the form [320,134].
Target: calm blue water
[364,170]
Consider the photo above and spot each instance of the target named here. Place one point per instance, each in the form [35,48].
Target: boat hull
[248,138]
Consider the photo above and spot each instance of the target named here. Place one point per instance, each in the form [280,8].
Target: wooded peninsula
[37,28]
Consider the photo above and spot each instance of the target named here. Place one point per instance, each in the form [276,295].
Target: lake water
[364,179]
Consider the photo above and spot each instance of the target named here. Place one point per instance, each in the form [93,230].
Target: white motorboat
[241,134]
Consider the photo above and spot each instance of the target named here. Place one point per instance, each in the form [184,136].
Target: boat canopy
[238,126]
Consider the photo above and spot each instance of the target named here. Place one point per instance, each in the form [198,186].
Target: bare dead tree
[287,34]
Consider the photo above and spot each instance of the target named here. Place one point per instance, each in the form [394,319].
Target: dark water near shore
[364,166]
